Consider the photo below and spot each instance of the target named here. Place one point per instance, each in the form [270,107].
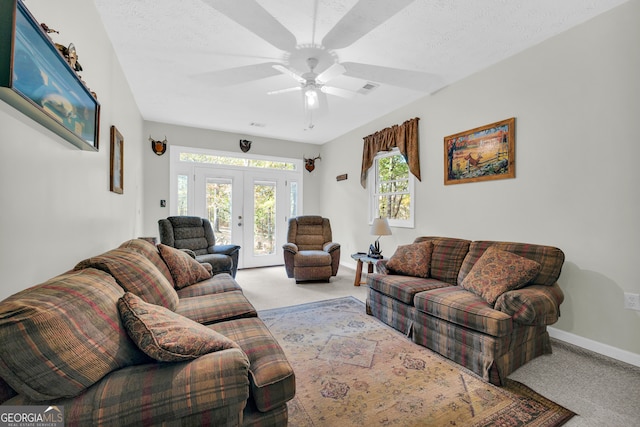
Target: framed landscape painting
[480,154]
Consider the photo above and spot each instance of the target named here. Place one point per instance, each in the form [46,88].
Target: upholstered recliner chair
[195,235]
[310,253]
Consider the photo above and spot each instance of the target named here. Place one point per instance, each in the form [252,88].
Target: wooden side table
[363,258]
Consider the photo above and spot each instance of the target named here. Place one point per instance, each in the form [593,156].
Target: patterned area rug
[353,370]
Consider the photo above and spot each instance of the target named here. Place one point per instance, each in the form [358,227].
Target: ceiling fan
[312,84]
[362,18]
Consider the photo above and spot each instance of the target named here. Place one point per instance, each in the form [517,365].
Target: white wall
[156,168]
[56,205]
[576,99]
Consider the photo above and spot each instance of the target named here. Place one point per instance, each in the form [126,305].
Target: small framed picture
[117,161]
[480,154]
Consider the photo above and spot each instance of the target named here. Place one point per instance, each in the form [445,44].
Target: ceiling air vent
[367,88]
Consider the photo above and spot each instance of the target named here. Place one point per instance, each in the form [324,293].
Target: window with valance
[404,137]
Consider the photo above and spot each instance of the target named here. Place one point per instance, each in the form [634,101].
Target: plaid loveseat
[65,343]
[491,338]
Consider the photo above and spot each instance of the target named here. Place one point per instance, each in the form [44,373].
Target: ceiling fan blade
[415,80]
[288,72]
[256,19]
[290,89]
[237,75]
[365,16]
[342,93]
[333,71]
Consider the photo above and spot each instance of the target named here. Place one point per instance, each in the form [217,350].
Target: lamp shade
[380,227]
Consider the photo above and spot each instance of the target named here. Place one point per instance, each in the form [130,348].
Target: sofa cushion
[165,335]
[446,258]
[549,258]
[272,379]
[459,306]
[411,260]
[310,258]
[498,271]
[213,308]
[136,274]
[213,285]
[62,336]
[402,288]
[184,269]
[150,251]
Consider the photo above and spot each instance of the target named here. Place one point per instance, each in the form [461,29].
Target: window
[229,160]
[391,189]
[183,194]
[293,194]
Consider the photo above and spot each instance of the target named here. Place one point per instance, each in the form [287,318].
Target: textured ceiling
[209,63]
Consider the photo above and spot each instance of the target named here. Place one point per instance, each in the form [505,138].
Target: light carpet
[353,370]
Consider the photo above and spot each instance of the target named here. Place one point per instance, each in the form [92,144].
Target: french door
[249,208]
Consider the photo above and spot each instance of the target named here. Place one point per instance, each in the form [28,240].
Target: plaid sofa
[492,340]
[63,343]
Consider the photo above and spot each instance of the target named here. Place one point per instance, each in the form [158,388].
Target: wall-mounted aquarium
[37,80]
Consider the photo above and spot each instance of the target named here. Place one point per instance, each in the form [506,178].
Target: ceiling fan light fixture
[311,100]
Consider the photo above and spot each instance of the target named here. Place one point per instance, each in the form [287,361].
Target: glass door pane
[219,208]
[264,225]
[183,195]
[293,193]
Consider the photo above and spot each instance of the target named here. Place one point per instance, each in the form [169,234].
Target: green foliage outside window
[236,161]
[219,210]
[183,194]
[392,187]
[264,221]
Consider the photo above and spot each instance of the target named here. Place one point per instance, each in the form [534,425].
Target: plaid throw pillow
[184,269]
[498,271]
[165,335]
[411,260]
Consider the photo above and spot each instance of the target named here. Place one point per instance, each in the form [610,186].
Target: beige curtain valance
[404,136]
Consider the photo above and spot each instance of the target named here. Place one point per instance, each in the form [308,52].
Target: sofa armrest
[334,250]
[223,249]
[290,250]
[381,266]
[532,305]
[330,247]
[290,247]
[156,393]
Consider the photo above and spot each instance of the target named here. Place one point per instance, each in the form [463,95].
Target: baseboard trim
[595,346]
[350,266]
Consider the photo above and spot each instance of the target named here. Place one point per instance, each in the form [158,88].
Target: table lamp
[380,227]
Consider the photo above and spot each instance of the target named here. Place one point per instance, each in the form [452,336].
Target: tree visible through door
[219,193]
